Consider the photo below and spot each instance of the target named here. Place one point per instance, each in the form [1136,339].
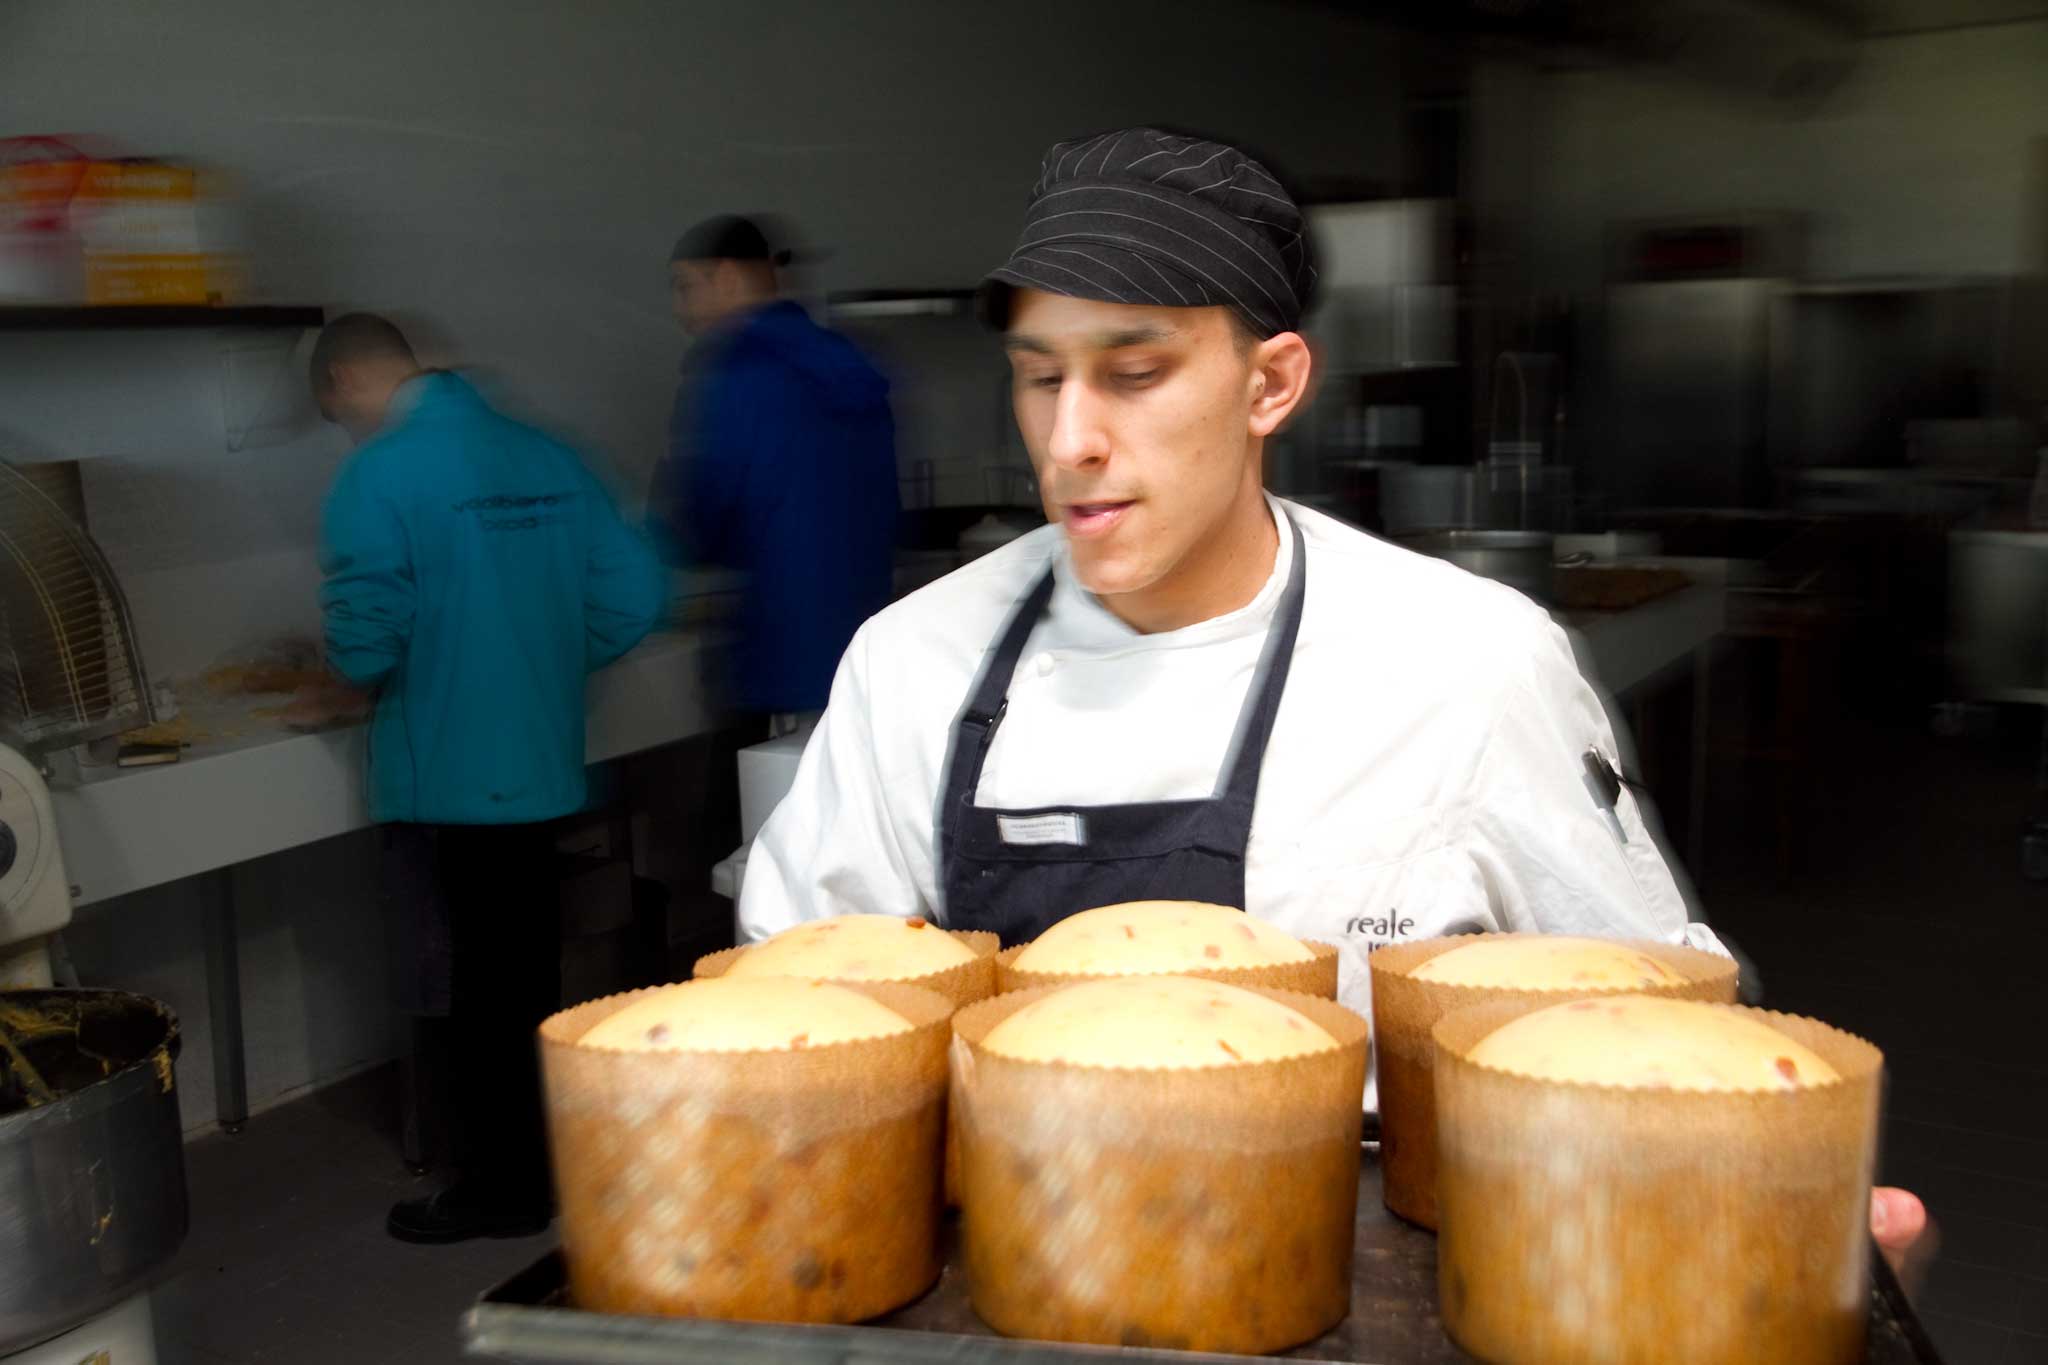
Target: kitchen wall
[1925,161]
[506,179]
[315,994]
[1918,164]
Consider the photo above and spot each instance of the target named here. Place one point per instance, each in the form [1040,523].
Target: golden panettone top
[724,1014]
[854,948]
[1647,1041]
[1548,962]
[1157,936]
[1156,1021]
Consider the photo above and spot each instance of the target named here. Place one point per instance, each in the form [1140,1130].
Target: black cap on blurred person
[1146,216]
[727,237]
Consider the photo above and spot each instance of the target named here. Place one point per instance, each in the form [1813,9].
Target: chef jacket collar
[1099,629]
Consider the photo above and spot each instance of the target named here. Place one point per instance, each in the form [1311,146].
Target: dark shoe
[455,1215]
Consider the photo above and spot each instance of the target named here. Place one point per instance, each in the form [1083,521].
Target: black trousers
[485,926]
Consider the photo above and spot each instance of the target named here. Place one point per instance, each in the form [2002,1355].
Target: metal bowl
[1521,559]
[92,1183]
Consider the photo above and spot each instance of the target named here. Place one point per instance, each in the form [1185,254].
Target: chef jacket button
[1046,664]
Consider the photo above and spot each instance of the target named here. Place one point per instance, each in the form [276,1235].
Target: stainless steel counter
[1998,616]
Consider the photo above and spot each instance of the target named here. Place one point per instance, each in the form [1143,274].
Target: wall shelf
[101,318]
[899,303]
[258,352]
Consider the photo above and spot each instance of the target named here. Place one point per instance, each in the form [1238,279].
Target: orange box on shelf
[147,236]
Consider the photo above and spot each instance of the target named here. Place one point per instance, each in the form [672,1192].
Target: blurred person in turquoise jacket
[475,573]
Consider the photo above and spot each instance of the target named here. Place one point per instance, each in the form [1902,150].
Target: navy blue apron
[1017,872]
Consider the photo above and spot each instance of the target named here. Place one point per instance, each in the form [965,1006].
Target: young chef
[1185,688]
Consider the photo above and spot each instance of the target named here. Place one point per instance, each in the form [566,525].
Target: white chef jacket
[1425,774]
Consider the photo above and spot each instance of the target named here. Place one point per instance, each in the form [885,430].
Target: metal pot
[1414,499]
[1521,559]
[992,532]
[92,1183]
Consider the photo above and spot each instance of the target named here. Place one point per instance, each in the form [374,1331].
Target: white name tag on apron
[1024,830]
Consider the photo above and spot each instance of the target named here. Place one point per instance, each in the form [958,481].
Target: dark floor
[288,1259]
[1904,918]
[1908,921]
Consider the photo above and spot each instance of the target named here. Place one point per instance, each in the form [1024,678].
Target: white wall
[315,980]
[506,179]
[1927,161]
[1919,164]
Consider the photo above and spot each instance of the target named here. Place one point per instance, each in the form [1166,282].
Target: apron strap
[1239,780]
[976,728]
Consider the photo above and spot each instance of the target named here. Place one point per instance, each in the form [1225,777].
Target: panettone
[1643,1041]
[731,1015]
[1156,936]
[1184,1198]
[1159,938]
[1410,994]
[1165,1021]
[1545,962]
[853,948]
[1682,1181]
[956,963]
[764,1149]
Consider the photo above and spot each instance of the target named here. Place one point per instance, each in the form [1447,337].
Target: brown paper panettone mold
[963,983]
[1316,976]
[784,1185]
[1404,1011]
[1595,1222]
[1207,1209]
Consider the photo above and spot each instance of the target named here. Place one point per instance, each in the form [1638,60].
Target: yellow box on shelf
[148,236]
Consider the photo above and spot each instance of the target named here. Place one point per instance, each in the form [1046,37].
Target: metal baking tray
[1393,1321]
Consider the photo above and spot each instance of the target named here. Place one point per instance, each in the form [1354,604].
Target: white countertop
[1622,649]
[253,787]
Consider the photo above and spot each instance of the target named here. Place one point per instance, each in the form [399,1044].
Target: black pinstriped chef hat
[1145,216]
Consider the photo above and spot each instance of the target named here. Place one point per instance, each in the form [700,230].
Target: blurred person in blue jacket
[474,573]
[781,464]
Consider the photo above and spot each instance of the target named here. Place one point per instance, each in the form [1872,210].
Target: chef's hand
[1898,1224]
